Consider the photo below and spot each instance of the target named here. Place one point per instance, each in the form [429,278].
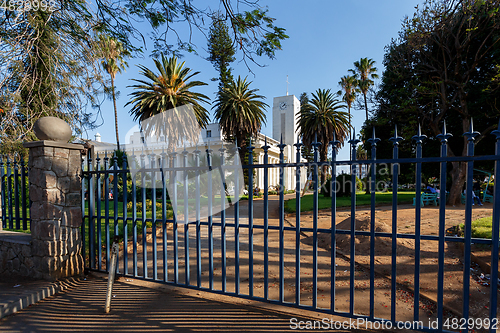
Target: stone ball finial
[52,129]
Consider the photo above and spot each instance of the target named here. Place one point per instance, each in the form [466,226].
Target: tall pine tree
[221,51]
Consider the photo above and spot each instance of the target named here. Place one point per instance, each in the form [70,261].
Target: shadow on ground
[137,308]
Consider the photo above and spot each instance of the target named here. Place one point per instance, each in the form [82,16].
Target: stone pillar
[56,216]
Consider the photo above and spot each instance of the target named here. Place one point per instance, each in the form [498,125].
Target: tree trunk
[458,171]
[366,108]
[323,169]
[116,112]
[458,174]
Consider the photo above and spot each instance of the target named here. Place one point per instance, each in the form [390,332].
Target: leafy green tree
[349,89]
[50,60]
[321,119]
[49,68]
[169,89]
[113,56]
[240,112]
[253,29]
[307,152]
[443,67]
[221,51]
[366,71]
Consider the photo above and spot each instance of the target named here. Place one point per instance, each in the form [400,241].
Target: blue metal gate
[253,252]
[14,193]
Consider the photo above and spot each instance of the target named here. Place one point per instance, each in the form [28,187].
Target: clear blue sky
[326,37]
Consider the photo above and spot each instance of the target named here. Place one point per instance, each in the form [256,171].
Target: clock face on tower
[283,105]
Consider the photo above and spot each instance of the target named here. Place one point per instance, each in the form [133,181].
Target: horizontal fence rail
[14,188]
[252,249]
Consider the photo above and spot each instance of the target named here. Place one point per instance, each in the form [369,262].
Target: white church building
[285,113]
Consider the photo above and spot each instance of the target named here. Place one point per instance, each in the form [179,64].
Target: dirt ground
[453,259]
[240,263]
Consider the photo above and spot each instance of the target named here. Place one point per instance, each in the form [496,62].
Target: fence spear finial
[444,136]
[497,131]
[419,137]
[396,138]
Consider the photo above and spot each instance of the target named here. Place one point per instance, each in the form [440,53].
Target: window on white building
[209,133]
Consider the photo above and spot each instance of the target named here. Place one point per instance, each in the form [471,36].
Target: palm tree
[367,72]
[113,56]
[349,85]
[240,111]
[170,90]
[322,118]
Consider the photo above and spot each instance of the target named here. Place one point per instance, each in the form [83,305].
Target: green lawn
[306,202]
[481,228]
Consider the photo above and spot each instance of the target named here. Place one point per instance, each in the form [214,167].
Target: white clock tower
[285,116]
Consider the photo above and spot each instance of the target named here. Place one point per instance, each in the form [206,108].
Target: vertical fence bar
[16,194]
[266,219]
[395,173]
[298,146]
[282,224]
[116,172]
[106,208]
[495,235]
[99,217]
[173,199]
[125,214]
[223,219]
[9,194]
[210,220]
[236,222]
[418,205]
[115,203]
[164,214]
[373,142]
[143,217]
[250,149]
[316,145]
[441,230]
[91,196]
[23,194]
[352,263]
[83,206]
[333,249]
[2,190]
[187,276]
[198,229]
[469,201]
[134,216]
[152,164]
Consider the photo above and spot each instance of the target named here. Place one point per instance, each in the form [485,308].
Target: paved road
[139,306]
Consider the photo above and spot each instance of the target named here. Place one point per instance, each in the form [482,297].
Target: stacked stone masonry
[56,216]
[16,256]
[53,250]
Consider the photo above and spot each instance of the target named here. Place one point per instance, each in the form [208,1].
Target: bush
[327,188]
[149,207]
[481,228]
[343,186]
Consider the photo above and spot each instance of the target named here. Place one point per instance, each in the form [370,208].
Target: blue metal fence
[157,239]
[14,193]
